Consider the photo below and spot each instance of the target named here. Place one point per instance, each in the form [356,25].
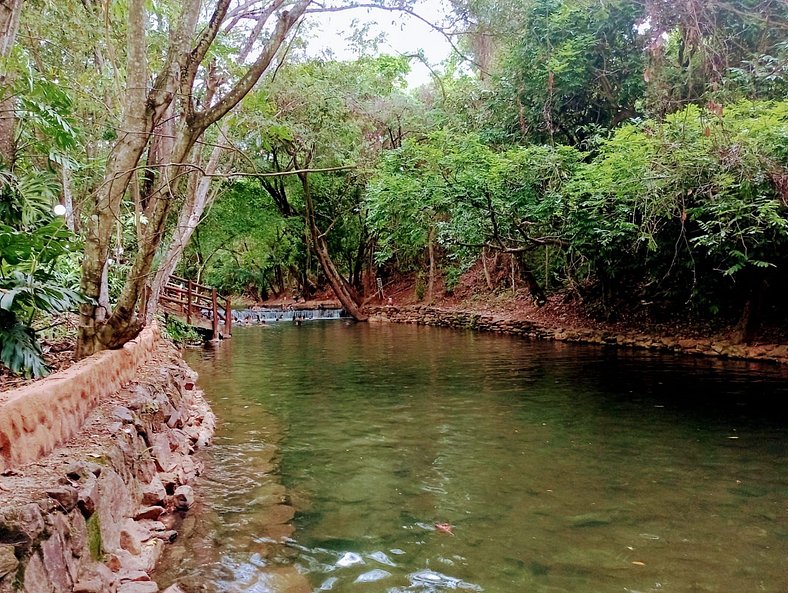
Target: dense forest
[630,156]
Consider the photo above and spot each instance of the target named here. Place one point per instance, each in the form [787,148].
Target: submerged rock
[372,576]
[349,559]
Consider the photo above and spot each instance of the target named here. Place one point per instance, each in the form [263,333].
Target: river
[390,458]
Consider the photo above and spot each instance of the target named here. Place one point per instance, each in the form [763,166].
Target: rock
[151,512]
[8,561]
[154,492]
[22,526]
[175,420]
[96,577]
[169,520]
[123,414]
[54,552]
[136,576]
[114,563]
[112,506]
[174,589]
[66,496]
[130,542]
[133,587]
[87,496]
[36,578]
[169,480]
[145,560]
[166,536]
[189,468]
[183,497]
[94,585]
[78,534]
[82,470]
[160,449]
[149,526]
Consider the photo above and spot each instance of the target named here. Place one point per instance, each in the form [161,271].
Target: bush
[30,286]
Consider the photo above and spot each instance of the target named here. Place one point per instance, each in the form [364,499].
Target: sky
[403,34]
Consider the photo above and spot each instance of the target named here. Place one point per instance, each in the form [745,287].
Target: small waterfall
[270,315]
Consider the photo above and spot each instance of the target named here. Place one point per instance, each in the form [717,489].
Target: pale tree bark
[344,291]
[141,109]
[68,198]
[10,11]
[179,75]
[487,277]
[199,195]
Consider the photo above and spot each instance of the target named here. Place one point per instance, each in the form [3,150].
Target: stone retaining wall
[93,516]
[36,418]
[434,316]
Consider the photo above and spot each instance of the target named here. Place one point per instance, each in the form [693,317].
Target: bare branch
[286,21]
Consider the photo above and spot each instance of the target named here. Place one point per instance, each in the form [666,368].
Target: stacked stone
[462,319]
[101,527]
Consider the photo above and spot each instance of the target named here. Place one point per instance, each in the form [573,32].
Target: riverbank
[94,513]
[547,327]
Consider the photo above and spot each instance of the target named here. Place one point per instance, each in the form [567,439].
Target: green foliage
[26,200]
[474,195]
[30,285]
[576,65]
[685,210]
[713,49]
[179,332]
[676,207]
[242,241]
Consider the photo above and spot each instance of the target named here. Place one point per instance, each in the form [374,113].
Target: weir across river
[273,314]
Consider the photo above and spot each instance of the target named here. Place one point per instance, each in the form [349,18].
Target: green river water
[560,468]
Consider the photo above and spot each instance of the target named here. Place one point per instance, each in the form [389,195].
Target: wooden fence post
[228,318]
[215,314]
[189,303]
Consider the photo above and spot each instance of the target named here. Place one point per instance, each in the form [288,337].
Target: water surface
[559,468]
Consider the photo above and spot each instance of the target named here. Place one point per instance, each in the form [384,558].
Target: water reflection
[558,468]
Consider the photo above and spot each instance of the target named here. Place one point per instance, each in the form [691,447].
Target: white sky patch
[643,27]
[400,33]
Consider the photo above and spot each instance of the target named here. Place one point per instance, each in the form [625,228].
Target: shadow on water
[396,459]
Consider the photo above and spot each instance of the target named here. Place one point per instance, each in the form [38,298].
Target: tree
[565,69]
[331,119]
[10,13]
[147,111]
[713,49]
[473,198]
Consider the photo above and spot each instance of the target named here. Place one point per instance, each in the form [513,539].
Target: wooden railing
[198,304]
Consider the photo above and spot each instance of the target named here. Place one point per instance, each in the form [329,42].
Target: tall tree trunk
[537,292]
[431,254]
[197,199]
[10,11]
[750,319]
[120,167]
[341,288]
[486,271]
[68,198]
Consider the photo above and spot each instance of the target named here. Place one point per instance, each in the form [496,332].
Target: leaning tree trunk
[198,198]
[527,275]
[126,153]
[342,289]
